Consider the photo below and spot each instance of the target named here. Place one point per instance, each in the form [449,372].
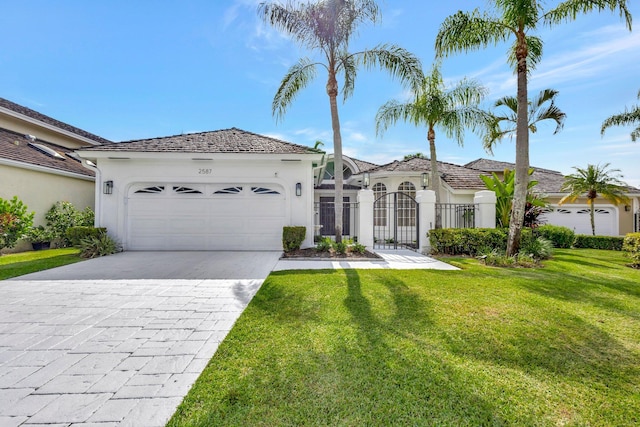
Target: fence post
[365,224]
[426,217]
[486,201]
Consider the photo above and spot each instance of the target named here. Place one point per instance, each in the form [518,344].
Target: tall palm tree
[517,19]
[435,106]
[629,117]
[594,181]
[537,112]
[326,27]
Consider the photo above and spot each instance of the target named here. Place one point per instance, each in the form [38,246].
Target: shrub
[342,247]
[537,249]
[64,215]
[358,248]
[292,237]
[324,245]
[15,221]
[75,234]
[561,237]
[100,245]
[585,241]
[39,234]
[631,248]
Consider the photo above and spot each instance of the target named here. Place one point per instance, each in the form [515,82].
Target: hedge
[585,241]
[561,237]
[472,241]
[631,248]
[292,237]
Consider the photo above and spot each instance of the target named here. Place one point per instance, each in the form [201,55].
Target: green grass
[482,346]
[13,265]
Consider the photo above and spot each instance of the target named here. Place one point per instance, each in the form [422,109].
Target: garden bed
[313,253]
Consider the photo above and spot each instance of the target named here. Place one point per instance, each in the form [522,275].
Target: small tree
[64,215]
[15,221]
[592,182]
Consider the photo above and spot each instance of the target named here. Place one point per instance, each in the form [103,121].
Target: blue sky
[137,69]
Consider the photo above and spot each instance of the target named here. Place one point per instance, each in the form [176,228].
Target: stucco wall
[40,190]
[39,132]
[111,211]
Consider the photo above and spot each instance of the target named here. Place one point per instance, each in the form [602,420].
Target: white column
[486,216]
[365,221]
[426,217]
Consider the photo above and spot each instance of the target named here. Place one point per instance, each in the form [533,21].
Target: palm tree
[326,27]
[537,112]
[517,19]
[594,181]
[434,106]
[629,117]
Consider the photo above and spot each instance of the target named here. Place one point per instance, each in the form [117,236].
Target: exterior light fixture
[366,180]
[627,208]
[298,189]
[107,187]
[425,180]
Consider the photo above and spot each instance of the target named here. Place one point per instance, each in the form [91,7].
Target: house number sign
[205,171]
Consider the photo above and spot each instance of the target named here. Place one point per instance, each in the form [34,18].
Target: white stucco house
[235,190]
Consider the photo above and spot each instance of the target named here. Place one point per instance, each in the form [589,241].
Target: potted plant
[40,237]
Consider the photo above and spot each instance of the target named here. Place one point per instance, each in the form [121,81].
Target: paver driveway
[118,340]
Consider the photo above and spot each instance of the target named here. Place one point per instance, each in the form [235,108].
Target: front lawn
[13,265]
[482,346]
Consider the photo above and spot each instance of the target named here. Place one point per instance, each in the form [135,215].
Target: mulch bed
[314,253]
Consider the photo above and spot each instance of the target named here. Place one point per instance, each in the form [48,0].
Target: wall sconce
[366,180]
[425,180]
[298,189]
[107,187]
[627,208]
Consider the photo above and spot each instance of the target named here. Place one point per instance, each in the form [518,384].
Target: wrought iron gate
[395,222]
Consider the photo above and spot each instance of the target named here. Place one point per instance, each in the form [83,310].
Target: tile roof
[488,165]
[14,146]
[458,177]
[5,103]
[363,166]
[220,141]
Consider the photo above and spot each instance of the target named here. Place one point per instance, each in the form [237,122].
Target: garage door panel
[239,220]
[578,219]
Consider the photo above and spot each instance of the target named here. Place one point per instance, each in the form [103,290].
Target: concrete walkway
[402,259]
[94,344]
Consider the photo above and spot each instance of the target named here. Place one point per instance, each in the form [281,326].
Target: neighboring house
[221,190]
[610,220]
[37,160]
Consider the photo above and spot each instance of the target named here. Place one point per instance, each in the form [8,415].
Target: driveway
[118,340]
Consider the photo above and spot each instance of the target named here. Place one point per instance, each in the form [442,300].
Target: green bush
[325,244]
[472,241]
[631,248]
[292,237]
[342,247]
[584,241]
[62,216]
[537,249]
[75,234]
[100,245]
[561,237]
[15,221]
[39,234]
[358,248]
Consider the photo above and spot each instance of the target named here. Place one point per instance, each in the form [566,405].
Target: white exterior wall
[176,168]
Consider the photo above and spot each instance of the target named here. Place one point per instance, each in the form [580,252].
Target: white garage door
[579,220]
[205,217]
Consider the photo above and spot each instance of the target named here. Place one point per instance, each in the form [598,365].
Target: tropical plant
[327,27]
[64,215]
[414,156]
[435,106]
[15,221]
[502,125]
[505,190]
[517,19]
[594,181]
[628,117]
[98,245]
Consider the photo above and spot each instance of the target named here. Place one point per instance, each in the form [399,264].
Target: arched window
[380,205]
[329,172]
[407,205]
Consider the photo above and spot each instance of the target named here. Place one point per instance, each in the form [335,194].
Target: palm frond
[399,62]
[534,56]
[467,31]
[296,79]
[570,9]
[626,118]
[391,112]
[349,69]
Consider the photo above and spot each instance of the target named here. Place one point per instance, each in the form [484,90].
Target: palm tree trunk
[522,152]
[592,215]
[435,176]
[332,91]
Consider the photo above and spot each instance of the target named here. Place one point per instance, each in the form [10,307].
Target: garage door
[578,219]
[205,216]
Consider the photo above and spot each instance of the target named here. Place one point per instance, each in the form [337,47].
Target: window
[407,205]
[329,172]
[229,190]
[186,190]
[262,190]
[380,205]
[151,190]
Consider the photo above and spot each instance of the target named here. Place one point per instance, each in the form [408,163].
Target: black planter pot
[38,246]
